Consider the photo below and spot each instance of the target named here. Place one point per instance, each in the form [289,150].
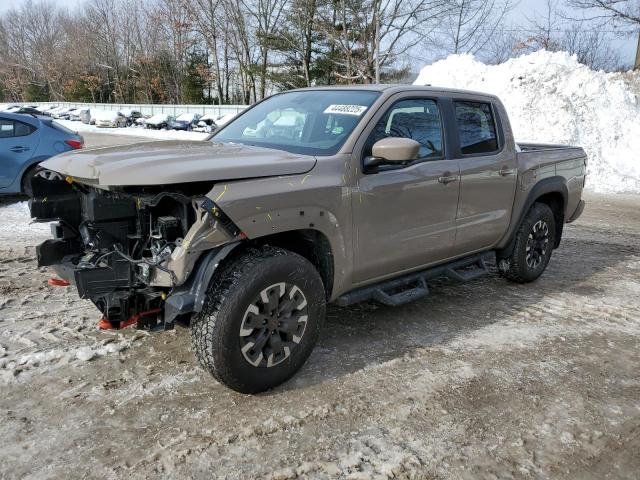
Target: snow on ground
[135,131]
[15,228]
[486,379]
[552,98]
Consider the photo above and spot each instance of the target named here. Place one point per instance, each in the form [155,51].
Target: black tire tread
[208,327]
[513,267]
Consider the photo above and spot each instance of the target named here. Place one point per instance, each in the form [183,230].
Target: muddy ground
[480,380]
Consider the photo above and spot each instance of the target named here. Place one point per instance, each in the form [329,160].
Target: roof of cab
[391,88]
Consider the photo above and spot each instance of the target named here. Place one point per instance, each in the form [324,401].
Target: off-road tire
[215,331]
[516,266]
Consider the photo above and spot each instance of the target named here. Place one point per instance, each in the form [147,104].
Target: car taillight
[74,143]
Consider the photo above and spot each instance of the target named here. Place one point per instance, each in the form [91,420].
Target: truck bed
[531,147]
[540,155]
[538,161]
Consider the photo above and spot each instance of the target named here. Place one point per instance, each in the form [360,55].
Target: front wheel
[533,245]
[26,181]
[261,319]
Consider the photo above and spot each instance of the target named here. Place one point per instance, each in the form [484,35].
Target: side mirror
[392,150]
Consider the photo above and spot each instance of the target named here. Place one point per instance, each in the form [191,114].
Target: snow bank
[550,97]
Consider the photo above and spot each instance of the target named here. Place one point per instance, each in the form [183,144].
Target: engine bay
[116,245]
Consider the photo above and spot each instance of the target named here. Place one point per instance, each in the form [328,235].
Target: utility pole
[637,64]
[376,16]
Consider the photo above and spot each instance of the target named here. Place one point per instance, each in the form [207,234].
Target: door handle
[504,171]
[19,149]
[447,178]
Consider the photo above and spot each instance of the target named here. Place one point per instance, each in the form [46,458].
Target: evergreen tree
[36,93]
[195,81]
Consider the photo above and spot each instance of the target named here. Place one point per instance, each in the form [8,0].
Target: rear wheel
[261,319]
[533,246]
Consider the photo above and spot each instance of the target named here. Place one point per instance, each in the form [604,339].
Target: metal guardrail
[152,109]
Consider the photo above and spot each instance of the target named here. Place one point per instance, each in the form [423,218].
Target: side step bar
[408,288]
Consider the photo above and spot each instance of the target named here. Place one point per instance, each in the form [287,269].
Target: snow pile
[552,98]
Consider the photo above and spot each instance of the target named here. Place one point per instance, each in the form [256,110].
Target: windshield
[315,122]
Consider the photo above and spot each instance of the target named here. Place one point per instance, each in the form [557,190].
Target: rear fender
[554,184]
[16,185]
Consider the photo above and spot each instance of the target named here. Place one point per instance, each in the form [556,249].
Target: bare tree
[33,49]
[238,51]
[544,26]
[370,35]
[502,45]
[590,47]
[624,13]
[242,48]
[471,24]
[207,17]
[553,30]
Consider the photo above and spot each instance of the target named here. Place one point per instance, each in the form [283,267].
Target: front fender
[189,297]
[266,206]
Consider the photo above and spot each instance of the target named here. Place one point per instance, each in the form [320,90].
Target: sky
[527,8]
[524,9]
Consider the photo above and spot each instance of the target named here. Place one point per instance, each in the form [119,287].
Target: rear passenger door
[404,215]
[16,148]
[487,176]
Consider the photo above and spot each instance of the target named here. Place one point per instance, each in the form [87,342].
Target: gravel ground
[480,380]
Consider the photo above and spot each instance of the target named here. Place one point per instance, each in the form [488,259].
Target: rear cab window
[477,131]
[61,128]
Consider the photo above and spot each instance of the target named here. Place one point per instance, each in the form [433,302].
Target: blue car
[25,141]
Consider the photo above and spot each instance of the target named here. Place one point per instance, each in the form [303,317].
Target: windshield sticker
[356,110]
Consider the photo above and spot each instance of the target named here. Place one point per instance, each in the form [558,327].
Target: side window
[12,128]
[6,128]
[22,129]
[417,119]
[476,128]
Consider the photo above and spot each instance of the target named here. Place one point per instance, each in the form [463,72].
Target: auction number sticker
[356,110]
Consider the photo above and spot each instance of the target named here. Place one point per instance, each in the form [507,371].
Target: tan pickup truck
[311,196]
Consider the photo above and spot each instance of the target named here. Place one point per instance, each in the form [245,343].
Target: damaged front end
[130,250]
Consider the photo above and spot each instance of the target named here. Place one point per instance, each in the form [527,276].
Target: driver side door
[405,215]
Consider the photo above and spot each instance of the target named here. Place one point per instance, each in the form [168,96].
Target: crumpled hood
[176,161]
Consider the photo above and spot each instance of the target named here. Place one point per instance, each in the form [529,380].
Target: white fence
[152,109]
